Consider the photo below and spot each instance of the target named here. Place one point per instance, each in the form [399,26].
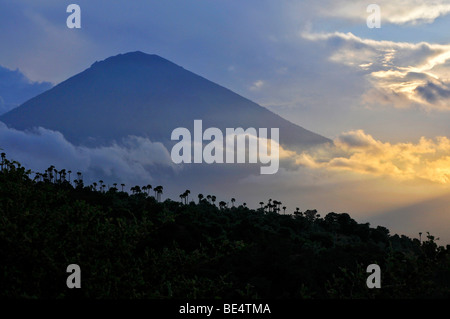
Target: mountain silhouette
[144,95]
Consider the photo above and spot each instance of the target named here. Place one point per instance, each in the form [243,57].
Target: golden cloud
[356,151]
[395,12]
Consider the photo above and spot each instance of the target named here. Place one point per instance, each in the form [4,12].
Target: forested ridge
[135,245]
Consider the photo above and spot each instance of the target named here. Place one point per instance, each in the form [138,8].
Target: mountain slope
[145,95]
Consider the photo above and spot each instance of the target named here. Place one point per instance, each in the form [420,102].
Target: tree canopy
[138,246]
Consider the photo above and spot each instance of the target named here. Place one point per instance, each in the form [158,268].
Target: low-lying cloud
[129,161]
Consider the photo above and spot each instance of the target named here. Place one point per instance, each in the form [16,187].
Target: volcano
[144,95]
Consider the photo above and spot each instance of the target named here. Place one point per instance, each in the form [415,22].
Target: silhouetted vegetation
[136,246]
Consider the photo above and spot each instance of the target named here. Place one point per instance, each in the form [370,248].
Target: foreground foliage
[133,246]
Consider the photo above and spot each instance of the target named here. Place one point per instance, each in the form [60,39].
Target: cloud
[35,39]
[365,194]
[399,74]
[131,161]
[260,43]
[358,152]
[16,88]
[339,177]
[257,85]
[396,12]
[433,92]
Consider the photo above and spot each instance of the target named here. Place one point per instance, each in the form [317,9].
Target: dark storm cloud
[433,92]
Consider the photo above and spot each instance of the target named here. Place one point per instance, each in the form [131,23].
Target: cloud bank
[130,161]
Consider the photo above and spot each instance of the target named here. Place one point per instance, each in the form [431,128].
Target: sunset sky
[382,94]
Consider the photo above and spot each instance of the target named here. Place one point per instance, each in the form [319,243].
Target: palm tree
[3,155]
[208,197]
[284,209]
[95,186]
[213,198]
[187,192]
[274,205]
[115,186]
[149,187]
[56,175]
[62,175]
[50,173]
[69,172]
[79,181]
[37,176]
[158,191]
[185,196]
[137,189]
[420,236]
[200,197]
[123,185]
[232,201]
[222,204]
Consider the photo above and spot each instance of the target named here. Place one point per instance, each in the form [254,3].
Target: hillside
[141,246]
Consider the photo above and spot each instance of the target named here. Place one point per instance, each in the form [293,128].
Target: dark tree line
[134,245]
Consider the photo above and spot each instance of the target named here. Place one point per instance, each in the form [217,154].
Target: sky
[381,94]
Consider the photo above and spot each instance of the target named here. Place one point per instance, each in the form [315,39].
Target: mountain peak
[144,95]
[137,57]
